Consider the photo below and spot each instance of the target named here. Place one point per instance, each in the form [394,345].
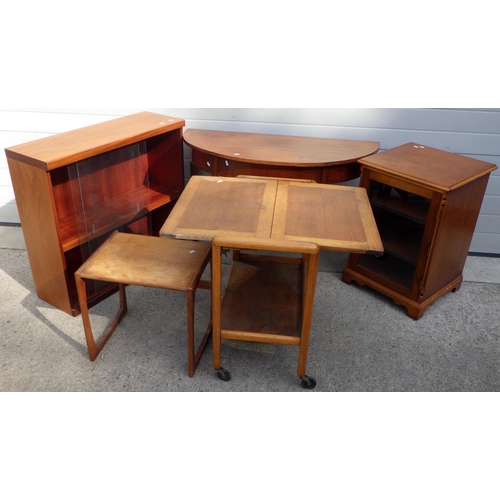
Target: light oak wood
[427,203]
[212,206]
[236,153]
[267,298]
[267,177]
[131,259]
[337,218]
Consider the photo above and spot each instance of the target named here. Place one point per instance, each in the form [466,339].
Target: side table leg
[194,355]
[93,347]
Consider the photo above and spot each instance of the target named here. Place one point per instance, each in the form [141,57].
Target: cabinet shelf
[402,246]
[113,213]
[396,270]
[415,210]
[399,201]
[401,236]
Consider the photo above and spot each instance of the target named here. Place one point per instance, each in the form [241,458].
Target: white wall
[470,132]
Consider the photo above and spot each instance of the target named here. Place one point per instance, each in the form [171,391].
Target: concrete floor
[360,340]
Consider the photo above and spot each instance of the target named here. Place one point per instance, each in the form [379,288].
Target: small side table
[132,259]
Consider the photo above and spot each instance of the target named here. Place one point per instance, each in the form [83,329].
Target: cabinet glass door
[401,218]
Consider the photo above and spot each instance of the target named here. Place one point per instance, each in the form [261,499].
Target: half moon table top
[223,153]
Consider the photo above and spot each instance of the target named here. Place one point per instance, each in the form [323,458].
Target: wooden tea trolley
[249,214]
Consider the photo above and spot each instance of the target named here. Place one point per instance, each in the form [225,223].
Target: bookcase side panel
[166,160]
[35,203]
[166,169]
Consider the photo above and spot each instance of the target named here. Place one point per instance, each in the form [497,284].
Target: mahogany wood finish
[131,259]
[73,189]
[268,298]
[426,203]
[337,218]
[231,154]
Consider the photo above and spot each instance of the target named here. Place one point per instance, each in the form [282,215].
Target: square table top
[142,260]
[337,218]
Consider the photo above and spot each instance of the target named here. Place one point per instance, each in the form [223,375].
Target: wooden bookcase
[426,203]
[73,189]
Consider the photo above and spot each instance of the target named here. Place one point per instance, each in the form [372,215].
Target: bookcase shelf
[110,214]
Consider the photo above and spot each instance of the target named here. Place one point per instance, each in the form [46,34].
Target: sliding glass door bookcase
[73,189]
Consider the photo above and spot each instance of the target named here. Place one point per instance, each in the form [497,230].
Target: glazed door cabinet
[73,189]
[426,203]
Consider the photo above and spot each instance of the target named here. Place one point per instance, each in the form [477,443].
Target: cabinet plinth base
[415,310]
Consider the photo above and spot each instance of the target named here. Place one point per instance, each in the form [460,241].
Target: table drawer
[204,161]
[233,168]
[341,173]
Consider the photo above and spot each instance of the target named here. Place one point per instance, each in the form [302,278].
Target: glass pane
[110,191]
[401,218]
